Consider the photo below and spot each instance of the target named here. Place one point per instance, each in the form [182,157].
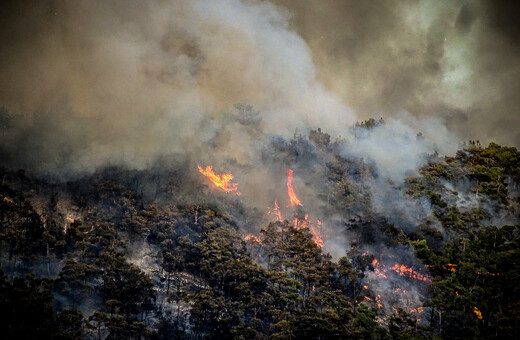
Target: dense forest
[163,253]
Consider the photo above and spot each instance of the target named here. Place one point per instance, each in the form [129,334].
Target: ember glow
[220,181]
[290,190]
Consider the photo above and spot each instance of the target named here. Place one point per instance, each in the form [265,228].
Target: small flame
[409,272]
[306,223]
[477,312]
[377,270]
[220,181]
[316,235]
[381,271]
[417,310]
[290,190]
[377,300]
[276,212]
[451,267]
[252,238]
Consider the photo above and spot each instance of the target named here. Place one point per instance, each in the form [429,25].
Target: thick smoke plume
[88,83]
[456,60]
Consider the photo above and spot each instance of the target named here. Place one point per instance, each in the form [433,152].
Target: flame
[401,269]
[301,224]
[477,312]
[377,270]
[290,190]
[306,223]
[377,300]
[451,267]
[275,211]
[417,310]
[252,238]
[409,272]
[220,181]
[316,234]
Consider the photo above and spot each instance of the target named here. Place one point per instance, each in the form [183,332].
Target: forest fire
[298,223]
[409,272]
[401,269]
[290,190]
[220,181]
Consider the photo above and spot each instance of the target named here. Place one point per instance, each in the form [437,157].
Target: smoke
[456,60]
[401,145]
[88,84]
[110,81]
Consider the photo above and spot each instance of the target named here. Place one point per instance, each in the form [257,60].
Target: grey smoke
[455,60]
[125,82]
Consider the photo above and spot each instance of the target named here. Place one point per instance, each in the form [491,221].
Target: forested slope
[162,253]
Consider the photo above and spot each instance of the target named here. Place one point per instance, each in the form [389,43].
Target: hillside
[341,250]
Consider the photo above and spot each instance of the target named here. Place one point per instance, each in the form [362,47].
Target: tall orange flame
[220,181]
[290,190]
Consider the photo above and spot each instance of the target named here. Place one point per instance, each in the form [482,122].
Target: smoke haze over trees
[211,169]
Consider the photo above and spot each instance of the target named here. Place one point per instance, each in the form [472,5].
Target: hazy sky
[459,60]
[131,80]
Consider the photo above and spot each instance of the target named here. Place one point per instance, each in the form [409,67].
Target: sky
[89,82]
[458,60]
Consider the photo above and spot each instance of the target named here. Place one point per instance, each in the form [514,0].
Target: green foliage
[154,254]
[479,273]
